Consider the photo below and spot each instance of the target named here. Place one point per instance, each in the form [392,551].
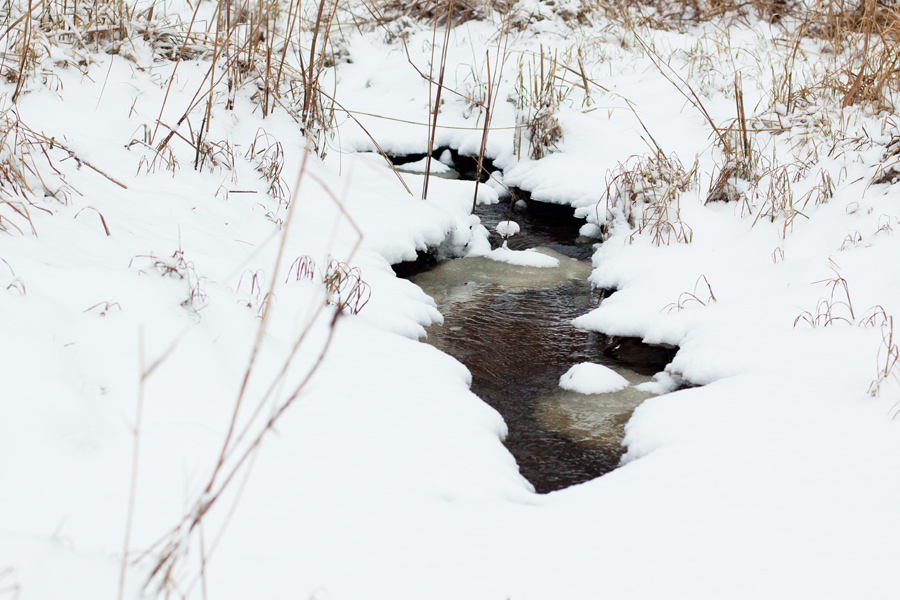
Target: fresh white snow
[507,228]
[131,311]
[591,378]
[523,258]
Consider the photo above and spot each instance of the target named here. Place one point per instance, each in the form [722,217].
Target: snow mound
[590,230]
[591,378]
[523,258]
[507,228]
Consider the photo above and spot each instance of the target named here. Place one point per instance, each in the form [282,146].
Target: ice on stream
[453,276]
[596,420]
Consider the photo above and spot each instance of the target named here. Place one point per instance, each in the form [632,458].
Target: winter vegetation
[212,383]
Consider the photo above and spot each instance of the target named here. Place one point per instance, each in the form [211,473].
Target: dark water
[518,341]
[543,225]
[517,345]
[464,166]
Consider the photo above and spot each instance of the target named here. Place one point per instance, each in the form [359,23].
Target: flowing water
[511,326]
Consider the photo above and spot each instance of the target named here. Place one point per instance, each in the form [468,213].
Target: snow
[590,230]
[591,378]
[507,228]
[420,165]
[149,288]
[662,383]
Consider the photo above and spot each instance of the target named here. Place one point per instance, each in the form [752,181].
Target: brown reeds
[644,194]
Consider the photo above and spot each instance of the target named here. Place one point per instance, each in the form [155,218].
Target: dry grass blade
[489,105]
[99,214]
[887,360]
[539,94]
[436,107]
[685,299]
[827,309]
[377,145]
[9,584]
[146,372]
[667,71]
[345,288]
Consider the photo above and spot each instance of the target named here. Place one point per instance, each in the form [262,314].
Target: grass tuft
[644,195]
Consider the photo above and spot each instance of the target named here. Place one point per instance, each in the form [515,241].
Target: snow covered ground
[144,299]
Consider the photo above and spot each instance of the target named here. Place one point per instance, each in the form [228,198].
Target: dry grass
[9,583]
[539,92]
[268,155]
[644,194]
[887,360]
[888,172]
[836,308]
[435,12]
[281,51]
[177,267]
[26,172]
[686,299]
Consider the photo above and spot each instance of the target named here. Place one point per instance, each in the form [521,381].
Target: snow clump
[591,378]
[507,228]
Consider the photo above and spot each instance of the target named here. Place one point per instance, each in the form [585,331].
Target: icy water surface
[511,326]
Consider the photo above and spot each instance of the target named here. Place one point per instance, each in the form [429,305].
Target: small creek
[511,326]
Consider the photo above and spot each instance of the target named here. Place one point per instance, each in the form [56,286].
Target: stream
[511,327]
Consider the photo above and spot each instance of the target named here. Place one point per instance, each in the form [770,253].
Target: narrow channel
[512,328]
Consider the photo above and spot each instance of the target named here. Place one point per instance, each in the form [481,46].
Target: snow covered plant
[643,194]
[268,154]
[507,228]
[538,95]
[345,288]
[274,50]
[765,189]
[253,44]
[13,184]
[837,309]
[177,267]
[25,166]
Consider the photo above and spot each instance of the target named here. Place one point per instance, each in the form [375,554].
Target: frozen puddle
[511,326]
